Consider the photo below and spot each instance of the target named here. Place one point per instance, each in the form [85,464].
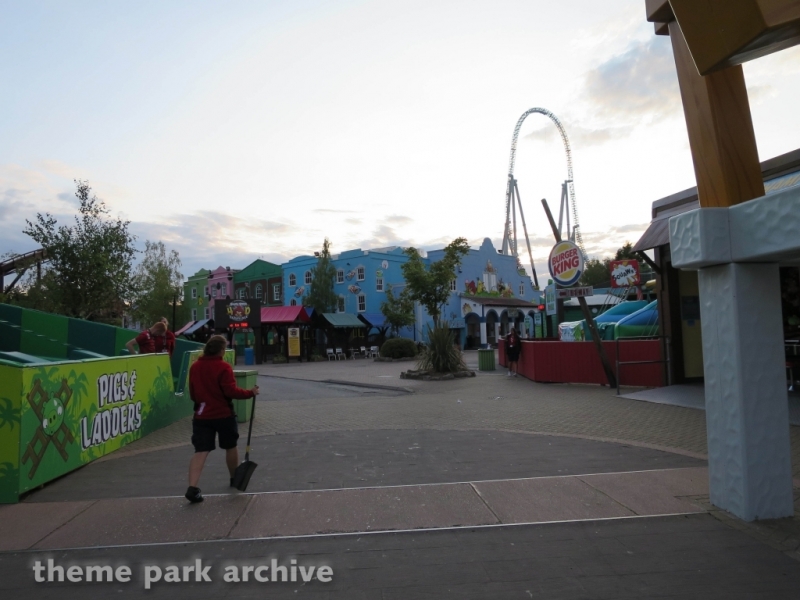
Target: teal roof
[343,320]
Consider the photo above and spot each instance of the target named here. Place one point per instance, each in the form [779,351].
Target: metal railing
[665,360]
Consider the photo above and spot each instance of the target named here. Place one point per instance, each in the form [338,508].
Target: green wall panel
[95,337]
[10,321]
[44,334]
[10,428]
[123,336]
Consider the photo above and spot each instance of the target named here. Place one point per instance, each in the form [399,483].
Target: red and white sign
[575,292]
[565,264]
[624,273]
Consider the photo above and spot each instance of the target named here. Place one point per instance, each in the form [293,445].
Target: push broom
[243,473]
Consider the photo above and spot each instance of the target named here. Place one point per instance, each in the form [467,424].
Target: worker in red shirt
[166,342]
[146,341]
[211,386]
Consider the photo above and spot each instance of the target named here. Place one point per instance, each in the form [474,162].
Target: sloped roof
[342,320]
[283,314]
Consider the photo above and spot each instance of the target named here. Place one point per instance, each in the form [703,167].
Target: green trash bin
[244,408]
[486,360]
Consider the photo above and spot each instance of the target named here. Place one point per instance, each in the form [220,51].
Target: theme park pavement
[482,487]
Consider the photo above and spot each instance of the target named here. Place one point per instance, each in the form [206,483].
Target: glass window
[194,294]
[205,314]
[308,277]
[205,291]
[194,313]
[213,292]
[453,284]
[379,284]
[293,302]
[521,289]
[240,293]
[360,275]
[292,279]
[259,291]
[224,290]
[341,303]
[340,276]
[362,303]
[276,292]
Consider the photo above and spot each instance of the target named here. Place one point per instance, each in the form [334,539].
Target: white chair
[374,352]
[340,353]
[330,354]
[364,351]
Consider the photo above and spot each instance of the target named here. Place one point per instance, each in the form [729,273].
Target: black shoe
[193,494]
[232,484]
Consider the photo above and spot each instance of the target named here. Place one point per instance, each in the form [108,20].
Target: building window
[194,293]
[205,291]
[205,314]
[360,275]
[224,291]
[259,291]
[340,303]
[194,314]
[453,284]
[292,279]
[213,292]
[521,289]
[362,303]
[240,293]
[276,292]
[340,276]
[308,277]
[379,284]
[293,302]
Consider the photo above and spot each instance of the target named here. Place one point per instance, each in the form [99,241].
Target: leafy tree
[89,271]
[398,310]
[626,252]
[431,287]
[157,283]
[320,295]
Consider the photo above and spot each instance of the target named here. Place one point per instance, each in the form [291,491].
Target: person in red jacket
[166,342]
[211,386]
[146,341]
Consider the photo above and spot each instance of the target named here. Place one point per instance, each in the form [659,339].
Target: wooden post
[587,314]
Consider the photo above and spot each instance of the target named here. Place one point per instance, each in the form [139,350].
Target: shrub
[398,348]
[441,354]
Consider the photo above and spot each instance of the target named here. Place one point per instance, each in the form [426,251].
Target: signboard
[550,299]
[575,292]
[565,264]
[294,341]
[237,314]
[624,273]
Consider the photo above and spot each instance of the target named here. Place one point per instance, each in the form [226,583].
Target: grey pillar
[747,409]
[737,251]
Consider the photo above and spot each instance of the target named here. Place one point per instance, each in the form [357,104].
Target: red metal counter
[554,361]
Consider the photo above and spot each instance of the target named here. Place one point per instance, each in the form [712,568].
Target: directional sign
[575,292]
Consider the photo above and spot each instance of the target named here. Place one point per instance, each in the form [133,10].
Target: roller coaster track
[19,264]
[509,234]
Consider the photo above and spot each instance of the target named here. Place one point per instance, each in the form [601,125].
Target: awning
[283,314]
[184,328]
[376,320]
[656,234]
[342,320]
[197,325]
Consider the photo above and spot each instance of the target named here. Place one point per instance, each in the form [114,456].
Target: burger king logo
[565,263]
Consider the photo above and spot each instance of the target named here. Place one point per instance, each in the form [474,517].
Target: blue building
[362,278]
[490,293]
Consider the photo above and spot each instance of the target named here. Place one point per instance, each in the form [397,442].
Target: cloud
[334,210]
[382,237]
[579,135]
[638,85]
[399,219]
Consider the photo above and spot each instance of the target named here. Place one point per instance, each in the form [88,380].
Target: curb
[377,386]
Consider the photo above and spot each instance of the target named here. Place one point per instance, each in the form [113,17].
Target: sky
[254,129]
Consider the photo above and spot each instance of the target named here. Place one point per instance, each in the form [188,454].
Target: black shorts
[204,432]
[513,354]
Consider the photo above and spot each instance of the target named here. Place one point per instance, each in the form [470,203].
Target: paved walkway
[483,487]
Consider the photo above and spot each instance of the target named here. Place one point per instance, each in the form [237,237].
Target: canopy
[197,325]
[283,314]
[184,328]
[342,320]
[376,320]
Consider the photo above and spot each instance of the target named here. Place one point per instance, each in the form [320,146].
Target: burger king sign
[565,263]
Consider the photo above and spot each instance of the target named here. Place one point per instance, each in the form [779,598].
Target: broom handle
[250,429]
